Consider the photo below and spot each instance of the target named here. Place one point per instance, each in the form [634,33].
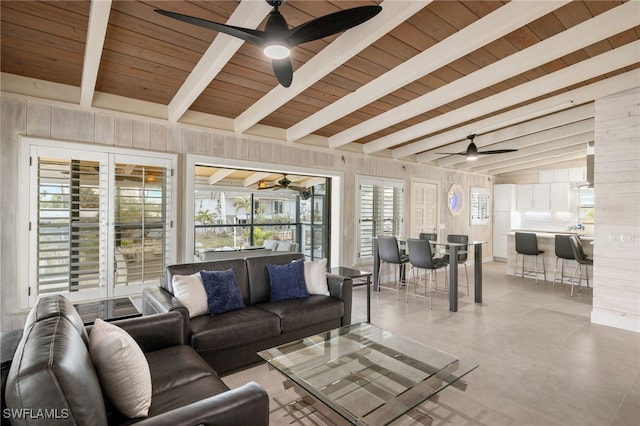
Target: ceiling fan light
[472,157]
[276,51]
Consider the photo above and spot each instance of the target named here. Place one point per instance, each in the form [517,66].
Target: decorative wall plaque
[455,199]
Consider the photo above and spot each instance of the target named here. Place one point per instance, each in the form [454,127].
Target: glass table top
[365,374]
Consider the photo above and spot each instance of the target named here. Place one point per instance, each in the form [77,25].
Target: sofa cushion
[57,306]
[271,244]
[295,314]
[52,369]
[122,367]
[287,281]
[233,329]
[167,374]
[223,293]
[315,277]
[177,384]
[189,290]
[238,265]
[260,289]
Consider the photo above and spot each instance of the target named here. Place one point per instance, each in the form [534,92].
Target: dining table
[451,249]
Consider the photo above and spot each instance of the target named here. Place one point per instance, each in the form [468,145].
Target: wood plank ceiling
[411,83]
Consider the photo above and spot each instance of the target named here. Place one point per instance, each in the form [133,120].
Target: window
[380,210]
[230,214]
[585,206]
[99,222]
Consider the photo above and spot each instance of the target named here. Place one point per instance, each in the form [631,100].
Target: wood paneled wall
[48,119]
[616,296]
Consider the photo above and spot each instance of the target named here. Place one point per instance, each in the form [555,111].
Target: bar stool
[582,260]
[563,251]
[527,245]
[420,257]
[389,252]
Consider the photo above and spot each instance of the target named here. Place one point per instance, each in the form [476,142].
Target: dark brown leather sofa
[52,379]
[230,340]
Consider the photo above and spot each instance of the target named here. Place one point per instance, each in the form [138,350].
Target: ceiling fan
[285,183]
[277,38]
[472,152]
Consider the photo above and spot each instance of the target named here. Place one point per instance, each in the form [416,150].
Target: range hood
[589,182]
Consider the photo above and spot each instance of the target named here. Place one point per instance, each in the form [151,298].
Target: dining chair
[527,245]
[462,257]
[428,236]
[564,251]
[431,237]
[583,261]
[389,252]
[420,257]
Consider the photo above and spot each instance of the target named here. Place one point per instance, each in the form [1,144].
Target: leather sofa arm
[342,288]
[246,405]
[156,300]
[154,332]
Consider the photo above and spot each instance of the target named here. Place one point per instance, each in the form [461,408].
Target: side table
[346,272]
[107,310]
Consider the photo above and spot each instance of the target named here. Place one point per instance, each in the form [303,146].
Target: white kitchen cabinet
[577,174]
[545,176]
[540,200]
[501,228]
[561,175]
[504,197]
[524,197]
[560,197]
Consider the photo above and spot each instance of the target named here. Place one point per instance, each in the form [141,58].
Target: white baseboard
[624,321]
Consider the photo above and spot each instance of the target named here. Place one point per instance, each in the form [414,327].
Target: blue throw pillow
[287,281]
[223,293]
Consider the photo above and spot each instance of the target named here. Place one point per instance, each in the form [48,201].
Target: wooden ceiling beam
[255,177]
[96,33]
[248,14]
[570,153]
[488,162]
[568,116]
[470,38]
[607,62]
[538,138]
[578,96]
[219,175]
[600,27]
[343,48]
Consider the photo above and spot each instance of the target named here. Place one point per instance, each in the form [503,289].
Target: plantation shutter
[380,212]
[69,214]
[367,220]
[100,223]
[141,223]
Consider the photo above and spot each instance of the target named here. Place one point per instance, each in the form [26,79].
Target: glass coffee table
[367,375]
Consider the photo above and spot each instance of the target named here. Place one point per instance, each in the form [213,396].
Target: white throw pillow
[122,368]
[189,290]
[315,276]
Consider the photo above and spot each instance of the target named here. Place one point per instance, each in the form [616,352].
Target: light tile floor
[542,362]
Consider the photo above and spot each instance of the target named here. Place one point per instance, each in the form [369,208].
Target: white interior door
[424,207]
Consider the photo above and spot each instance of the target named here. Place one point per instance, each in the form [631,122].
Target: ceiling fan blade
[283,70]
[333,23]
[256,37]
[497,151]
[452,153]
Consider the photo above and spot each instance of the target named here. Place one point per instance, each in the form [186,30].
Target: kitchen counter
[546,242]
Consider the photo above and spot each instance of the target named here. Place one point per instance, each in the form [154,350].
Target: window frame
[188,213]
[28,209]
